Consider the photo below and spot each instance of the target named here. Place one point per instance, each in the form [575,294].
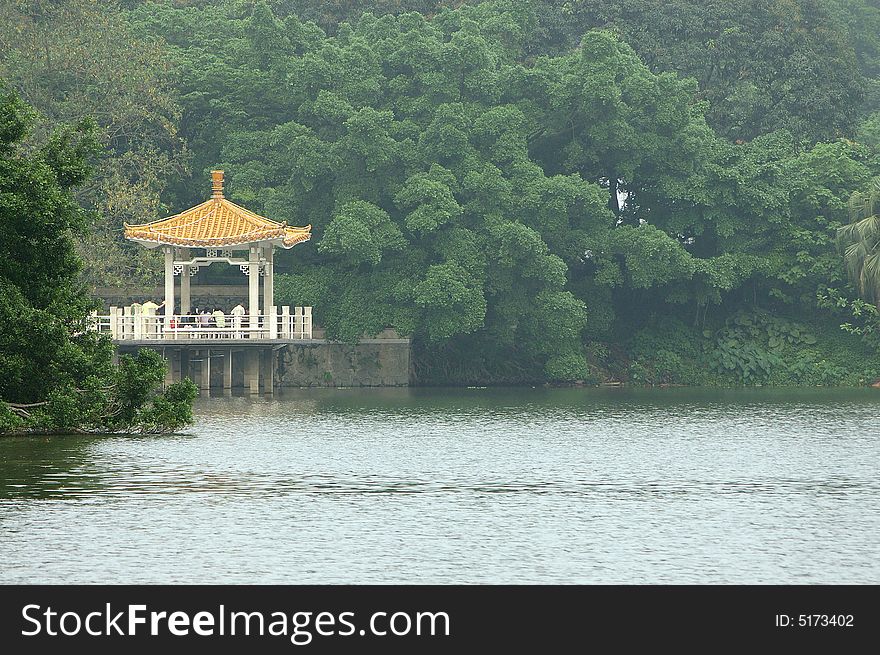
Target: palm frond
[864,230]
[872,266]
[857,251]
[857,206]
[868,228]
[846,235]
[854,258]
[860,241]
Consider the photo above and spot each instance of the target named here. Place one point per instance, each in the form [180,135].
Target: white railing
[124,324]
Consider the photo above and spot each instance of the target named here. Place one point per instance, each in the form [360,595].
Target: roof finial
[217,184]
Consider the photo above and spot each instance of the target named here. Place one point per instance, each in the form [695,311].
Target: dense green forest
[536,191]
[57,375]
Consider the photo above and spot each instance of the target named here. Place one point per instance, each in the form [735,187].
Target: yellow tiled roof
[215,223]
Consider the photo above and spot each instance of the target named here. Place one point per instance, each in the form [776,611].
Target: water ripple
[459,486]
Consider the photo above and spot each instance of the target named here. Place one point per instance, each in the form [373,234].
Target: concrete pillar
[127,323]
[252,370]
[237,323]
[285,322]
[114,322]
[227,370]
[269,279]
[254,287]
[137,325]
[297,322]
[185,284]
[169,281]
[185,367]
[271,312]
[267,373]
[205,383]
[169,357]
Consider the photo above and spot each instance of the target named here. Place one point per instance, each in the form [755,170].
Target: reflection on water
[528,485]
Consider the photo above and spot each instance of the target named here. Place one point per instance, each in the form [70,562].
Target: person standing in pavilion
[238,313]
[219,318]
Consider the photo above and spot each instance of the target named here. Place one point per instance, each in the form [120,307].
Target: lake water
[465,485]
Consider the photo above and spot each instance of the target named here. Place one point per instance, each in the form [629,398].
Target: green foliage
[57,375]
[472,177]
[758,348]
[359,233]
[79,59]
[567,368]
[504,181]
[667,351]
[860,318]
[762,65]
[429,214]
[430,199]
[750,348]
[869,131]
[170,412]
[451,302]
[860,241]
[10,422]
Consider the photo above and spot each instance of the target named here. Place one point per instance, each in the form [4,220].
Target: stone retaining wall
[371,363]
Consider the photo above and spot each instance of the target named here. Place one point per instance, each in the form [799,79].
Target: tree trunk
[613,200]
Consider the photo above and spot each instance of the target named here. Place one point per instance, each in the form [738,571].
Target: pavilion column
[205,382]
[185,283]
[169,281]
[227,370]
[254,284]
[269,282]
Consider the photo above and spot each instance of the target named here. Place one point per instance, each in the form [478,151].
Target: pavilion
[218,230]
[214,231]
[257,348]
[253,349]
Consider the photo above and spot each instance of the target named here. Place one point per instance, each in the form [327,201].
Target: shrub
[567,368]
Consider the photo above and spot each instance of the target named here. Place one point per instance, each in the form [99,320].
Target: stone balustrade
[131,324]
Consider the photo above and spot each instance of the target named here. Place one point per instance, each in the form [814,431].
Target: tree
[860,242]
[77,59]
[533,190]
[58,374]
[502,199]
[614,121]
[329,14]
[763,65]
[394,139]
